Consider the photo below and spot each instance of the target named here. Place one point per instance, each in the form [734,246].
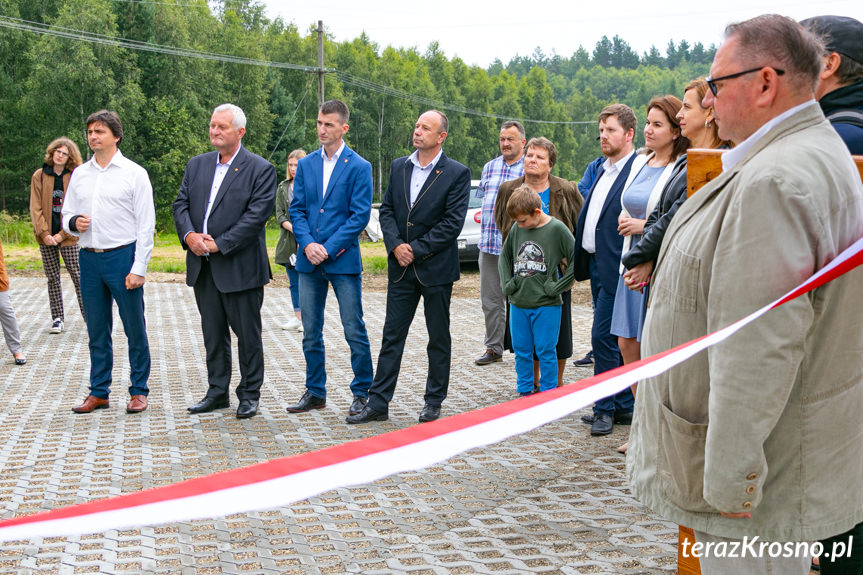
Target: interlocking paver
[551,501]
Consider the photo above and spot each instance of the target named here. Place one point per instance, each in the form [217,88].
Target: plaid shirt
[494,174]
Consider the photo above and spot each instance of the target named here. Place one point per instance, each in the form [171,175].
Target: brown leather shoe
[92,402]
[137,404]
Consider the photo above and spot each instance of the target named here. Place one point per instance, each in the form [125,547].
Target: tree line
[178,59]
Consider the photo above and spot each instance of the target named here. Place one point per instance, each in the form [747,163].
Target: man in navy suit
[421,217]
[220,212]
[331,206]
[597,255]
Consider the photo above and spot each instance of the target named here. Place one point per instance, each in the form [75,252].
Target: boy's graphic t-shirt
[529,264]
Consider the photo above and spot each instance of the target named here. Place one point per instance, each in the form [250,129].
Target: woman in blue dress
[650,171]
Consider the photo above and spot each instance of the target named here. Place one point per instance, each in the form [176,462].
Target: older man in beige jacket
[762,435]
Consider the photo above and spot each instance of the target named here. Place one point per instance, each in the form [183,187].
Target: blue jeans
[313,298]
[606,354]
[535,330]
[294,279]
[103,279]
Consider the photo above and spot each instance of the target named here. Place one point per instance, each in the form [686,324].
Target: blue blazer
[239,214]
[609,242]
[432,225]
[335,219]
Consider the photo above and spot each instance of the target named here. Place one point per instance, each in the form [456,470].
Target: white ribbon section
[295,486]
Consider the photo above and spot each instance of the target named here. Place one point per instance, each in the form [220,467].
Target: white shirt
[119,200]
[735,154]
[330,165]
[421,173]
[597,200]
[218,177]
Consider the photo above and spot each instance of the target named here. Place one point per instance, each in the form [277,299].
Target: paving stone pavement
[551,501]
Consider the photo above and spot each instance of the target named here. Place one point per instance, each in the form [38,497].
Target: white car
[468,239]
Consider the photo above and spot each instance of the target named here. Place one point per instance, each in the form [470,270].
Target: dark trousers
[606,354]
[103,281]
[842,564]
[241,312]
[402,300]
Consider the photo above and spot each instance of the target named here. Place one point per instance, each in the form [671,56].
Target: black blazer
[240,211]
[432,225]
[609,243]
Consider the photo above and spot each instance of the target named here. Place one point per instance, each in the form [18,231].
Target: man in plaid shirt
[508,166]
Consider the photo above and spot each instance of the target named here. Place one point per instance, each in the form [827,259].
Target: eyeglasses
[711,82]
[61,152]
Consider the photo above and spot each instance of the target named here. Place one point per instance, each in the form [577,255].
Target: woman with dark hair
[286,248]
[650,171]
[47,191]
[698,125]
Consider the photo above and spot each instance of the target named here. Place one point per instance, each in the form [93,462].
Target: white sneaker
[57,326]
[293,325]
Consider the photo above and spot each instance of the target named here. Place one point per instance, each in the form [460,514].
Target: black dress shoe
[307,403]
[619,418]
[366,415]
[586,360]
[488,357]
[209,404]
[358,405]
[429,413]
[248,408]
[602,424]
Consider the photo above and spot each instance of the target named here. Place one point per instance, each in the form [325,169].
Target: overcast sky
[479,31]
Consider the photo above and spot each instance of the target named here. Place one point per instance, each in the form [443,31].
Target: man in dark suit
[220,212]
[421,217]
[597,255]
[331,206]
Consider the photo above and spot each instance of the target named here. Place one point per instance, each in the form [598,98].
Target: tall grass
[16,230]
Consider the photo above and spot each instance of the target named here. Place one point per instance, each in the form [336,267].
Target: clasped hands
[639,276]
[404,254]
[201,244]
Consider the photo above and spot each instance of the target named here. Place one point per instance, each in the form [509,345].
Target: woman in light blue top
[641,192]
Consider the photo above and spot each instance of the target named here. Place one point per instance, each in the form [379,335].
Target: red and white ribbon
[286,480]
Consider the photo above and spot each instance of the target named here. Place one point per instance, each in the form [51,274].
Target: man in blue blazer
[597,255]
[331,206]
[421,217]
[220,212]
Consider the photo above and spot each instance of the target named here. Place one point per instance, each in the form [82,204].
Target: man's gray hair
[779,41]
[239,120]
[513,124]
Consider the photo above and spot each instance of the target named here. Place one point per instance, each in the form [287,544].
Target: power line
[116,41]
[345,77]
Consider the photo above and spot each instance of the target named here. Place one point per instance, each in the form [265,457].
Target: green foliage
[16,230]
[48,86]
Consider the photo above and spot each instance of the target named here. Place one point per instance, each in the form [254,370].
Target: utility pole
[320,63]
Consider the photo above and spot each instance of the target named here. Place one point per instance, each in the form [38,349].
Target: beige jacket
[41,197]
[771,420]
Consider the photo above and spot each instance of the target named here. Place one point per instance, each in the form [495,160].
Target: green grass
[16,230]
[22,252]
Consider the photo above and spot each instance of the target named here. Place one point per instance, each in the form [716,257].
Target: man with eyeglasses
[759,436]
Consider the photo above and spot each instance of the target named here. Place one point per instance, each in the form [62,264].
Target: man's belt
[102,251]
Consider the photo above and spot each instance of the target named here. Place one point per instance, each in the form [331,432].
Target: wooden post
[701,167]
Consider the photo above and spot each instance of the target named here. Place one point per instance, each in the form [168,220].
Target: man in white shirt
[597,256]
[109,206]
